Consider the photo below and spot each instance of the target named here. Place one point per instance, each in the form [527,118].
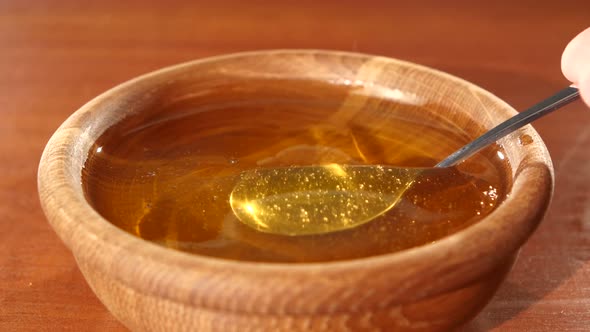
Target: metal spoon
[306,200]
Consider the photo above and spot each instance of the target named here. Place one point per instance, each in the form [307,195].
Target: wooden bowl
[434,287]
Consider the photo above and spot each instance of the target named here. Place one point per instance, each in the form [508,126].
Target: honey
[166,174]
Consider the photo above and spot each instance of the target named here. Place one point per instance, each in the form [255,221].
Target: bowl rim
[72,216]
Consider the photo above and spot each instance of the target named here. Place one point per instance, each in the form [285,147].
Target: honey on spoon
[309,200]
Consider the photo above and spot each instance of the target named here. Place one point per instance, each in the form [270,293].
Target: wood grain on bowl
[434,287]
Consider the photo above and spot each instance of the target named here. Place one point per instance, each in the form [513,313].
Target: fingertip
[575,63]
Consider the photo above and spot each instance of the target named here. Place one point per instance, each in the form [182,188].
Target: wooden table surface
[56,55]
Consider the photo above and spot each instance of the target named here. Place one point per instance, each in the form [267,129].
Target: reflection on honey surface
[166,174]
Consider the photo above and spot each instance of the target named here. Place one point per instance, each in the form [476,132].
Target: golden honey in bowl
[166,174]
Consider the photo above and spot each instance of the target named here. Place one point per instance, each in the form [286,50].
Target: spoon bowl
[317,199]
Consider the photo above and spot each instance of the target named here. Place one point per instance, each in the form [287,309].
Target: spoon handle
[543,108]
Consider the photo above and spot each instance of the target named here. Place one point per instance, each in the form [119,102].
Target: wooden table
[54,56]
